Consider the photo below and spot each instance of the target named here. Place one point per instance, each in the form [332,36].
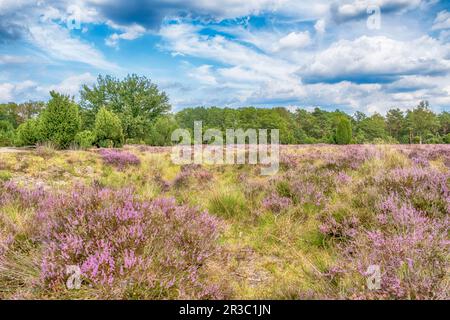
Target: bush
[60,120]
[108,129]
[344,132]
[6,133]
[125,247]
[85,139]
[119,159]
[276,204]
[410,248]
[161,132]
[29,133]
[447,138]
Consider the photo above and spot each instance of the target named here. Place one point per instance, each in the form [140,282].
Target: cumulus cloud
[262,52]
[14,91]
[377,57]
[129,33]
[294,40]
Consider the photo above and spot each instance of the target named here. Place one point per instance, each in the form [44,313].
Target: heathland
[138,226]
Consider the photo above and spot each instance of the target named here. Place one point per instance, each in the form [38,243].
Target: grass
[264,255]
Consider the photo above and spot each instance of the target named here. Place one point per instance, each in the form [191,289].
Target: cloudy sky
[366,55]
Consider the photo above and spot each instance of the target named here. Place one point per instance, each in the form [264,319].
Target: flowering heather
[191,171]
[426,188]
[112,236]
[425,153]
[276,204]
[119,159]
[346,207]
[24,196]
[348,157]
[410,248]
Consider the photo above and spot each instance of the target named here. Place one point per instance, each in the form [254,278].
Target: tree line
[133,110]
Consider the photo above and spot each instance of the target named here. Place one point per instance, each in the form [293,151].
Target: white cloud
[6,92]
[320,26]
[11,59]
[367,56]
[342,12]
[58,43]
[129,33]
[442,21]
[203,74]
[12,91]
[71,85]
[294,40]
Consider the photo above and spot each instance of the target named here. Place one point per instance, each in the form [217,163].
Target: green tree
[29,110]
[85,139]
[29,133]
[161,131]
[60,120]
[373,127]
[422,121]
[444,123]
[395,123]
[136,100]
[108,129]
[6,133]
[344,131]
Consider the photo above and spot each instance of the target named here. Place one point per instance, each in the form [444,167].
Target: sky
[355,55]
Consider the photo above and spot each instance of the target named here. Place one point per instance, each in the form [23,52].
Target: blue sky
[265,53]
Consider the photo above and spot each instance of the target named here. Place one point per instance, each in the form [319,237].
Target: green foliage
[395,123]
[447,138]
[6,133]
[85,139]
[344,131]
[161,131]
[60,120]
[141,109]
[422,121]
[108,129]
[136,100]
[372,128]
[29,133]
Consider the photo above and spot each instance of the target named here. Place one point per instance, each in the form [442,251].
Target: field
[139,227]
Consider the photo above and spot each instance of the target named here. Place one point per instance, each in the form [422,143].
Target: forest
[133,110]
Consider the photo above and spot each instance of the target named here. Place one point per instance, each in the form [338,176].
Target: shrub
[29,133]
[344,131]
[410,248]
[276,204]
[108,129]
[161,132]
[85,139]
[447,138]
[60,120]
[189,172]
[6,133]
[427,189]
[141,249]
[119,159]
